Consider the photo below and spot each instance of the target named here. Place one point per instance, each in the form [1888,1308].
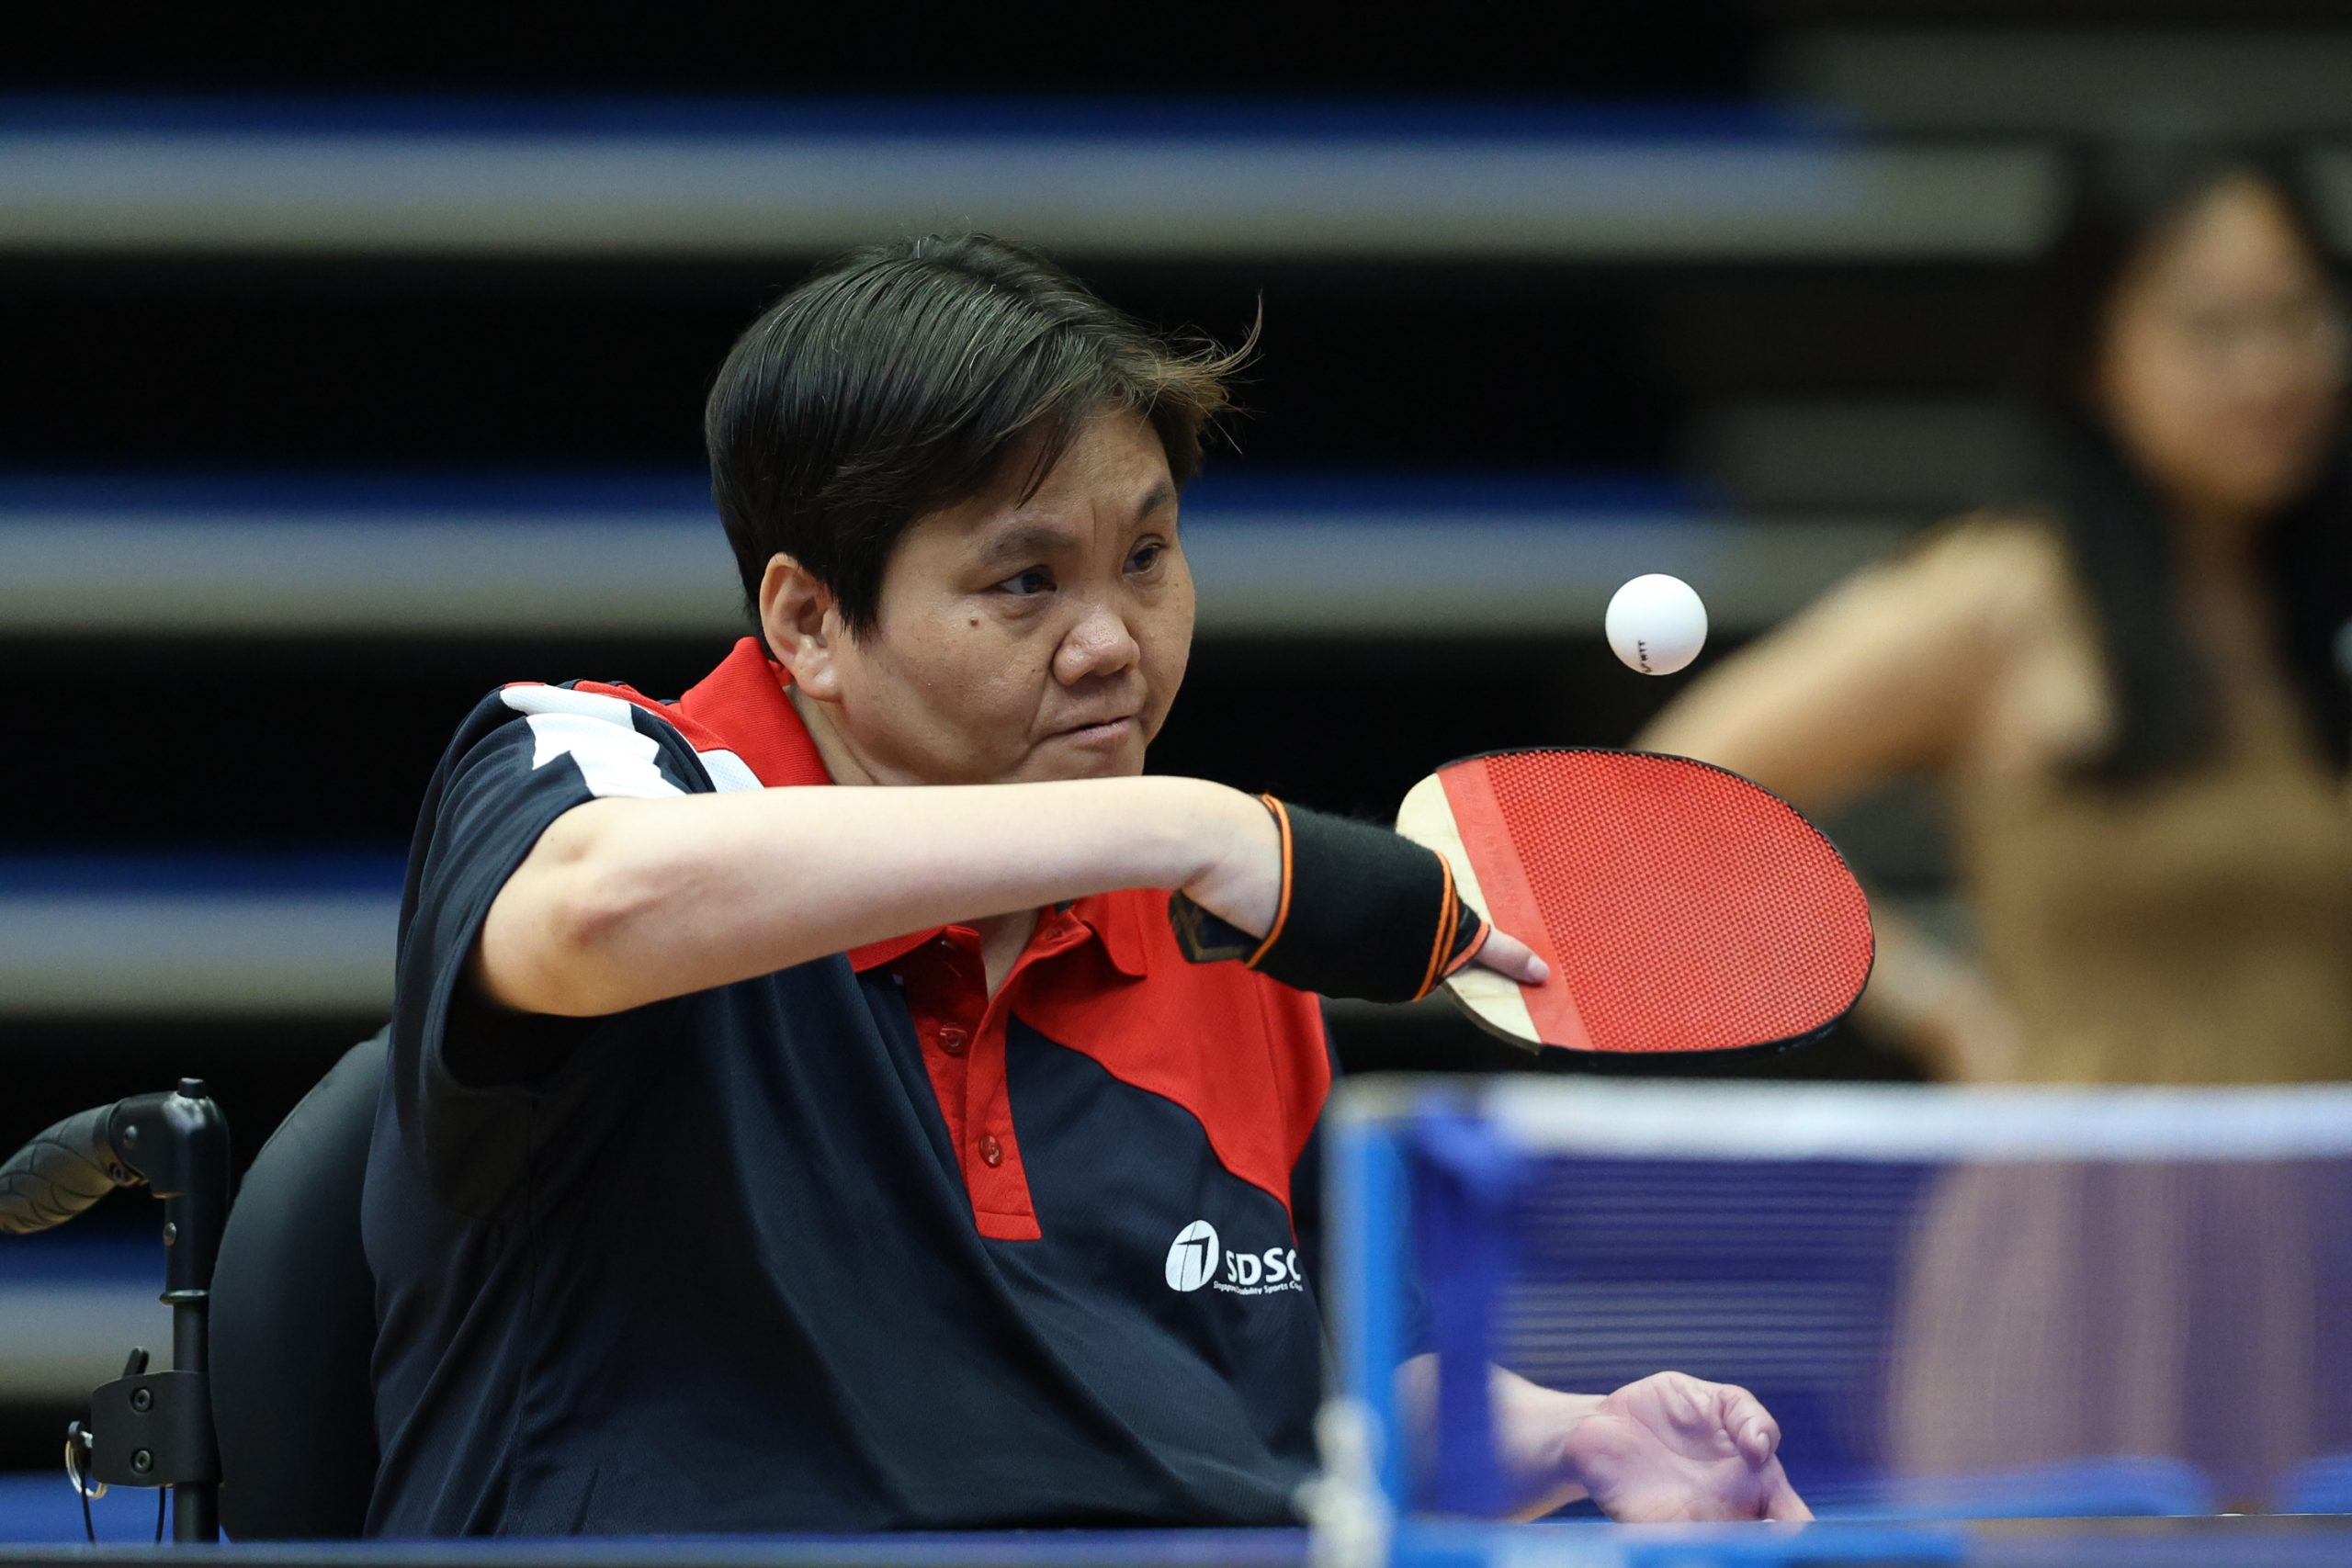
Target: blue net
[1955,1302]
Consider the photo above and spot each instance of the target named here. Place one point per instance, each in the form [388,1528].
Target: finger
[1750,1425]
[1686,1401]
[1512,958]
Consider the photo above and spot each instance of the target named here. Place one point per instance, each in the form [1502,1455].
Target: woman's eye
[1026,584]
[1146,558]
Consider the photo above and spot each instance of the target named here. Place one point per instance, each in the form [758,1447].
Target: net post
[1366,1183]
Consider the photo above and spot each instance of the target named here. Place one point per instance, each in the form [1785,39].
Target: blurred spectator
[2132,697]
[2132,693]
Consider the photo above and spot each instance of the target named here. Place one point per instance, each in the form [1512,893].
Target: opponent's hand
[1672,1448]
[1242,884]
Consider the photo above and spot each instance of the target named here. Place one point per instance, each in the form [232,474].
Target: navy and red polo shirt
[852,1245]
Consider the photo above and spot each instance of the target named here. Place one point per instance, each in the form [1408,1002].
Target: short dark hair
[905,377]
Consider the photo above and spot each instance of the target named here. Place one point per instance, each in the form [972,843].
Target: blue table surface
[39,1523]
[127,1518]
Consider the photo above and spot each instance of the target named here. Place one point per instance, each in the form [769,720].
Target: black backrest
[294,1322]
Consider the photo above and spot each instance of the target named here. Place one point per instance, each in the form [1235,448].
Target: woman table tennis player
[2133,695]
[764,1155]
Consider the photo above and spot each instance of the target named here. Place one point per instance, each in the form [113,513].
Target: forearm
[1884,676]
[625,902]
[1532,1424]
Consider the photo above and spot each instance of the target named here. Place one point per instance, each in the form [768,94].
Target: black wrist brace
[1363,913]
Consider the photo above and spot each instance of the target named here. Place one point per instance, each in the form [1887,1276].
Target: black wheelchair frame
[146,1428]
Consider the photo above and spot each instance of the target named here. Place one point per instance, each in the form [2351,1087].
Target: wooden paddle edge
[1426,817]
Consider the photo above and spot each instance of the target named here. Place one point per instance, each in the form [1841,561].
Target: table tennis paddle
[1680,906]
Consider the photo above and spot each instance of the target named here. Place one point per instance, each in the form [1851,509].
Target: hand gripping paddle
[1680,906]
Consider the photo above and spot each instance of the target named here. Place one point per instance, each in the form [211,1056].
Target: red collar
[1115,920]
[742,705]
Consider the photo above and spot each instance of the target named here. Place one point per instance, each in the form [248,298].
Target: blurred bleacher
[337,396]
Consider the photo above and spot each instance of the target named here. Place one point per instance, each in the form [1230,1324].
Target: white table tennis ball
[1657,624]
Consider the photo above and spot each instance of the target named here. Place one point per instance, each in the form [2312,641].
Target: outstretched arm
[624,902]
[629,901]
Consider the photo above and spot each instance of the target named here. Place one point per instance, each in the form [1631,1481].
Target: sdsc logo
[1192,1257]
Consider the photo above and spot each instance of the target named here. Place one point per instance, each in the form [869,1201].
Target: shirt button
[953,1041]
[991,1152]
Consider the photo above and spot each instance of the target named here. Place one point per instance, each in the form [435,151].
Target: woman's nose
[1100,643]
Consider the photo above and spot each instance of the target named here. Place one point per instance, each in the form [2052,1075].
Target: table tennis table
[2263,1541]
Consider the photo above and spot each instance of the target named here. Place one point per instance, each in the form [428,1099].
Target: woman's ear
[796,617]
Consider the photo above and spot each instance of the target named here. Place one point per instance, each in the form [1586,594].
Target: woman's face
[1019,637]
[2224,362]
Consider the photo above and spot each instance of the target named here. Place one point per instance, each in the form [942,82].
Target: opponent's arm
[627,901]
[1884,675]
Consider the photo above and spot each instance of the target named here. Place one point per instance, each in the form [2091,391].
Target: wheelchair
[263,1426]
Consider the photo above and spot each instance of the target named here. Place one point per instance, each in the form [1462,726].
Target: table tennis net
[1954,1302]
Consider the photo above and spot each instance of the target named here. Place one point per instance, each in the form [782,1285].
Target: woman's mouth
[1110,733]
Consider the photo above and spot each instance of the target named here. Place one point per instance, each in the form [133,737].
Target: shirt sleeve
[470,1081]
